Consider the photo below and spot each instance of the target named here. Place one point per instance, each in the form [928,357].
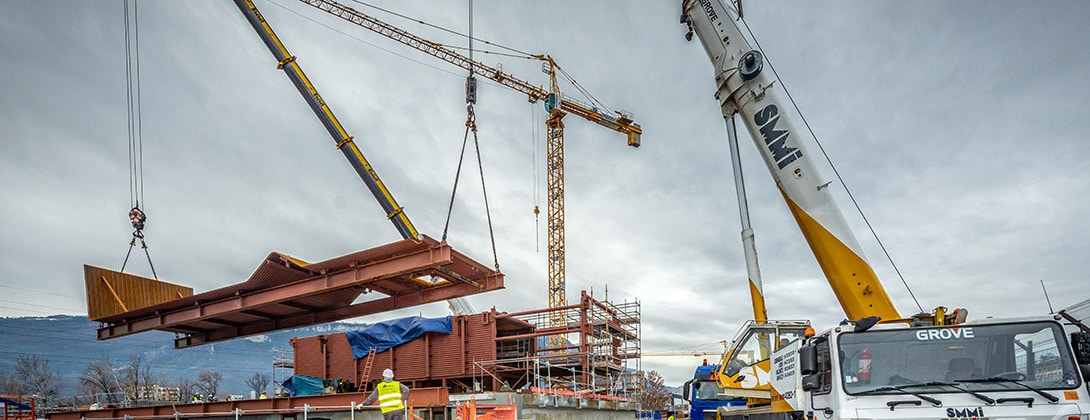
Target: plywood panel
[112,292]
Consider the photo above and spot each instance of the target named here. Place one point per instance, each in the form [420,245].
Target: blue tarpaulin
[300,385]
[14,405]
[387,334]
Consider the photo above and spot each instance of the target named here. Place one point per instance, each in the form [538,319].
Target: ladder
[365,378]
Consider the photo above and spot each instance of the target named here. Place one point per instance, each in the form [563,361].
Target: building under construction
[593,351]
[541,363]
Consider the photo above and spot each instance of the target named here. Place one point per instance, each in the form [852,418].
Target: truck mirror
[808,359]
[811,382]
[1081,342]
[685,389]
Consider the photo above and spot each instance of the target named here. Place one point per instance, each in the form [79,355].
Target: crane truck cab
[704,395]
[1015,368]
[988,369]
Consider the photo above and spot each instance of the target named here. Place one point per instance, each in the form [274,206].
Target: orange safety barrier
[468,411]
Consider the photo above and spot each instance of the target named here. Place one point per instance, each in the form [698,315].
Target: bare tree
[99,378]
[9,384]
[208,381]
[258,382]
[136,378]
[37,378]
[186,388]
[654,396]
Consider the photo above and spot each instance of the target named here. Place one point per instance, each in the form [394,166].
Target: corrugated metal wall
[309,357]
[432,356]
[341,364]
[448,352]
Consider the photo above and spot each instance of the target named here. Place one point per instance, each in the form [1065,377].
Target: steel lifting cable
[471,125]
[135,130]
[534,130]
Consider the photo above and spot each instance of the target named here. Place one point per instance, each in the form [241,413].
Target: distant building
[157,393]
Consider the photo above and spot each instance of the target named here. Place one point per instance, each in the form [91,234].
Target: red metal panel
[339,357]
[309,359]
[412,360]
[384,360]
[480,340]
[432,356]
[448,351]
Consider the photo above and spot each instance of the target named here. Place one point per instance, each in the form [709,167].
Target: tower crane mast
[555,104]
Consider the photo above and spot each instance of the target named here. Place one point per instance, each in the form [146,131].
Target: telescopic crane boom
[745,90]
[345,143]
[557,107]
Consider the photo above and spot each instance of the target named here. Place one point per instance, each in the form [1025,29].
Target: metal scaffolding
[598,345]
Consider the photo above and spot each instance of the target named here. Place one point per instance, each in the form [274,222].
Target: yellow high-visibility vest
[389,396]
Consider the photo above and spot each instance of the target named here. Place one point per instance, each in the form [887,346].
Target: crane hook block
[471,90]
[137,217]
[750,65]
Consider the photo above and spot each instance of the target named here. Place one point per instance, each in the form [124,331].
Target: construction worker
[263,395]
[391,395]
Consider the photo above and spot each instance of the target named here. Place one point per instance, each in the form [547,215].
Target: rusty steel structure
[326,406]
[590,347]
[285,292]
[497,351]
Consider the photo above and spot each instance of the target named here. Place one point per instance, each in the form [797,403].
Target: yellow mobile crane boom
[554,104]
[345,143]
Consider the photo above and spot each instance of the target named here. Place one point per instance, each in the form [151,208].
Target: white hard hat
[387,373]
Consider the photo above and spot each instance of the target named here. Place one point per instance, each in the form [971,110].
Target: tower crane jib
[555,104]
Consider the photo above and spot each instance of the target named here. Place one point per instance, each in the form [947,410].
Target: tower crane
[555,105]
[691,353]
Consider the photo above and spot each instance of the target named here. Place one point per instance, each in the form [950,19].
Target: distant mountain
[69,344]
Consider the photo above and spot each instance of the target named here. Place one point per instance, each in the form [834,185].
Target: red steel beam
[430,259]
[423,296]
[259,408]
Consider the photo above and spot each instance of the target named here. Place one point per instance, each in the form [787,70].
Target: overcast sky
[959,128]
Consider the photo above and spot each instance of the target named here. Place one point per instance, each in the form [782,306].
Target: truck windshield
[710,391]
[1000,357]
